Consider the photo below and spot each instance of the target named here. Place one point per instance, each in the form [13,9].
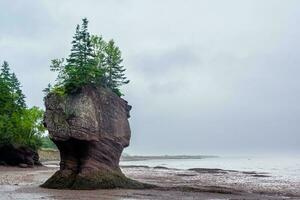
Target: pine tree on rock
[91,61]
[81,62]
[99,46]
[115,75]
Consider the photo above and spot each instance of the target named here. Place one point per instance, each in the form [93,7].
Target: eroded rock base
[66,179]
[87,165]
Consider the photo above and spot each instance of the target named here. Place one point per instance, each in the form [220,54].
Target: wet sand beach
[23,183]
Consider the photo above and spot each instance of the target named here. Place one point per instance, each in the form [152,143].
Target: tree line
[92,61]
[18,123]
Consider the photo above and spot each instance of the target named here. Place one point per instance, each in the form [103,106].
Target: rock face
[15,155]
[90,129]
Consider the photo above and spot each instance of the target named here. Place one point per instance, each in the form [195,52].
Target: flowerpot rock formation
[90,129]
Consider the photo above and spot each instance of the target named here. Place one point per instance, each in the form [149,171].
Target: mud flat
[197,183]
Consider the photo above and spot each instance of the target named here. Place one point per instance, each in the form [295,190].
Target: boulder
[90,129]
[16,155]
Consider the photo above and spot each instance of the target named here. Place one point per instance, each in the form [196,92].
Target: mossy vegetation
[100,179]
[107,180]
[60,180]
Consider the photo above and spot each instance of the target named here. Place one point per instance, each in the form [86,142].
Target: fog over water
[207,77]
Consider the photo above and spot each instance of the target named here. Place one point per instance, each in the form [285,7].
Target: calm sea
[284,167]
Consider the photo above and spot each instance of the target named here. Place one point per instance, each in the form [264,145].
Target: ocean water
[282,167]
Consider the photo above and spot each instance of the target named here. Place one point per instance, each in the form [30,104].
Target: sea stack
[90,129]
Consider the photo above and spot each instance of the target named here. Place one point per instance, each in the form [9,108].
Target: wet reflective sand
[17,183]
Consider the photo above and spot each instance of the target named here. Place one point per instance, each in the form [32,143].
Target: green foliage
[47,143]
[47,89]
[29,128]
[12,98]
[18,124]
[61,91]
[98,46]
[114,69]
[19,96]
[91,61]
[117,91]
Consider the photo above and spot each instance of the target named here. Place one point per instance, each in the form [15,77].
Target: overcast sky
[207,76]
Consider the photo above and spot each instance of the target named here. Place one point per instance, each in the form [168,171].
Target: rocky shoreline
[197,183]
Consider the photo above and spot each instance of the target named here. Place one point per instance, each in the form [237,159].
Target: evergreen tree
[7,105]
[115,75]
[47,89]
[81,63]
[19,96]
[15,93]
[6,100]
[87,49]
[5,73]
[81,51]
[18,124]
[99,46]
[75,59]
[91,61]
